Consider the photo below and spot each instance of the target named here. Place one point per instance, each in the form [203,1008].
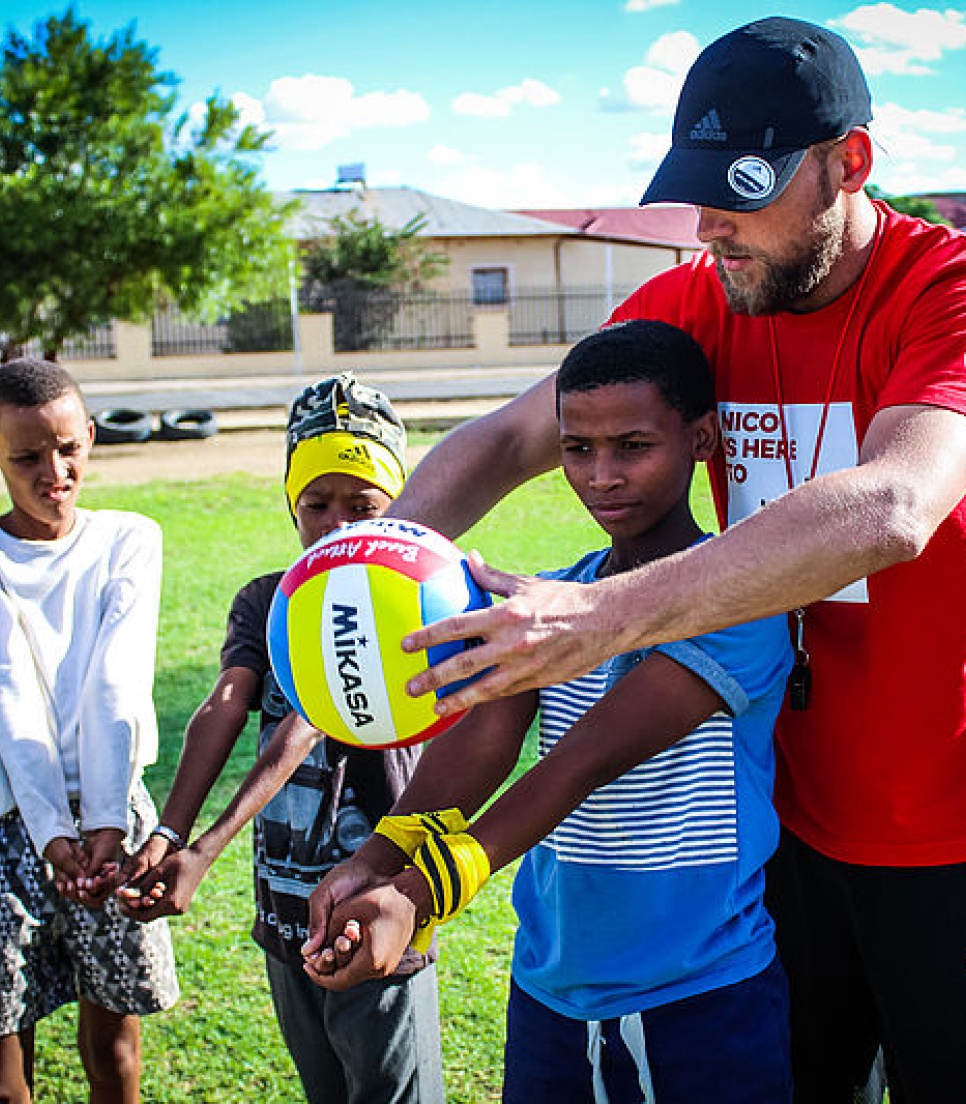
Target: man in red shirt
[836,330]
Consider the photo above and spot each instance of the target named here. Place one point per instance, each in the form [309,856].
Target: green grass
[220,1043]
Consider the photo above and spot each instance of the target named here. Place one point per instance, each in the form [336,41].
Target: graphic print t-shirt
[325,810]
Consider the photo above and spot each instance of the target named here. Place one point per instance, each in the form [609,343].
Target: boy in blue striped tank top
[644,967]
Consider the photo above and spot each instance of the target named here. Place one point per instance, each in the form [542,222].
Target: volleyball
[337,620]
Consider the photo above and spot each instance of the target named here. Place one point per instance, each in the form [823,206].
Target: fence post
[317,345]
[491,334]
[132,343]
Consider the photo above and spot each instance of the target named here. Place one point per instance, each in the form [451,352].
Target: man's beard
[786,283]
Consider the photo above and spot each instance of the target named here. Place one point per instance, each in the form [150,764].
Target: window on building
[490,285]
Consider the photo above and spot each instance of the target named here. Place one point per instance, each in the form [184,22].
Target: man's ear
[704,435]
[856,159]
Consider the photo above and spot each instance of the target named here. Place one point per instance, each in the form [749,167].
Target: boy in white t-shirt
[79,597]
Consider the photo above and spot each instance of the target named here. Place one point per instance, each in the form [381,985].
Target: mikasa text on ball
[338,618]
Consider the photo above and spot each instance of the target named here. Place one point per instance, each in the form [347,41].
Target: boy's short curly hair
[31,381]
[642,350]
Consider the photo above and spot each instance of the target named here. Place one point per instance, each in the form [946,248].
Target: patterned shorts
[53,950]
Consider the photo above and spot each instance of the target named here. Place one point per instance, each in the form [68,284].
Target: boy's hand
[69,861]
[348,878]
[103,849]
[148,856]
[386,916]
[327,960]
[376,928]
[166,889]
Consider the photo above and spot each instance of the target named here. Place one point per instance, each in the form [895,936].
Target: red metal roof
[952,207]
[660,223]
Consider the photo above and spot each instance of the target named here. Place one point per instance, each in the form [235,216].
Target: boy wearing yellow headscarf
[345,461]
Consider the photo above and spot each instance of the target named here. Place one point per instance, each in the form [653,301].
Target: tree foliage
[359,269]
[369,254]
[110,202]
[916,206]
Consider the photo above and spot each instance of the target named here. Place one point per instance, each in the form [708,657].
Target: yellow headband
[345,453]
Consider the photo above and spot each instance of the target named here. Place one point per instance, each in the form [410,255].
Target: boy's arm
[611,738]
[616,734]
[180,874]
[117,730]
[461,768]
[209,738]
[475,465]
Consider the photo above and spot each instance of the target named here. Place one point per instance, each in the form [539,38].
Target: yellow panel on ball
[305,655]
[399,612]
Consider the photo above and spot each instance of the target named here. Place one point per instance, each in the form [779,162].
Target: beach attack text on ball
[338,618]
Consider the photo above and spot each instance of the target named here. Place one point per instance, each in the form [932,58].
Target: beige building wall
[540,263]
[556,261]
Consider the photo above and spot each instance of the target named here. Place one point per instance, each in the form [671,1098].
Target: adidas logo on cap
[708,129]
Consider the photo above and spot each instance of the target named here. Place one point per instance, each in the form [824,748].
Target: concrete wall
[315,356]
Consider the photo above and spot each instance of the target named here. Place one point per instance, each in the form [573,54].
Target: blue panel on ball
[445,594]
[278,649]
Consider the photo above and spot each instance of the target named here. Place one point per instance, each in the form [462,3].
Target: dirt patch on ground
[258,452]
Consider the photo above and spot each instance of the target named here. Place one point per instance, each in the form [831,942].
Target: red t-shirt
[874,771]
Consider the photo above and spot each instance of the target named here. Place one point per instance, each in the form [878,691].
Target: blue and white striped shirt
[651,890]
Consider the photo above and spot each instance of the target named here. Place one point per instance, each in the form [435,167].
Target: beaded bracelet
[170,835]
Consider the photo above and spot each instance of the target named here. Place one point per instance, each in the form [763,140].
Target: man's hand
[546,632]
[167,889]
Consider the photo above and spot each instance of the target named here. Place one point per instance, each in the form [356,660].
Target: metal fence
[382,319]
[99,342]
[560,316]
[373,319]
[257,327]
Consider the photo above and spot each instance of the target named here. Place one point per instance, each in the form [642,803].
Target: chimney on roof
[354,175]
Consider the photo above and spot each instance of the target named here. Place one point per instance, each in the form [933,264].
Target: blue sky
[518,103]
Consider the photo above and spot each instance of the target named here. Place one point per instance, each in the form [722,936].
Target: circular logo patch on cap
[751,177]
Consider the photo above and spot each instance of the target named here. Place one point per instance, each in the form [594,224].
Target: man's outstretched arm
[798,549]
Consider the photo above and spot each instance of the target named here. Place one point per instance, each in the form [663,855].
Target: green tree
[359,269]
[110,203]
[917,206]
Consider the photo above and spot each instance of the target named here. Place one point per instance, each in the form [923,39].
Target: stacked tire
[122,426]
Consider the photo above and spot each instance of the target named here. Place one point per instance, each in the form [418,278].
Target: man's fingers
[502,583]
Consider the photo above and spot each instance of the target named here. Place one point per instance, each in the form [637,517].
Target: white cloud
[654,86]
[890,40]
[914,178]
[648,150]
[919,151]
[446,156]
[528,93]
[893,118]
[311,111]
[250,110]
[525,184]
[646,5]
[924,138]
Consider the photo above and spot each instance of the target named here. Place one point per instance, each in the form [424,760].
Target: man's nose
[713,224]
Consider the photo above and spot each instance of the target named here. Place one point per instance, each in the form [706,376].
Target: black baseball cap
[751,105]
